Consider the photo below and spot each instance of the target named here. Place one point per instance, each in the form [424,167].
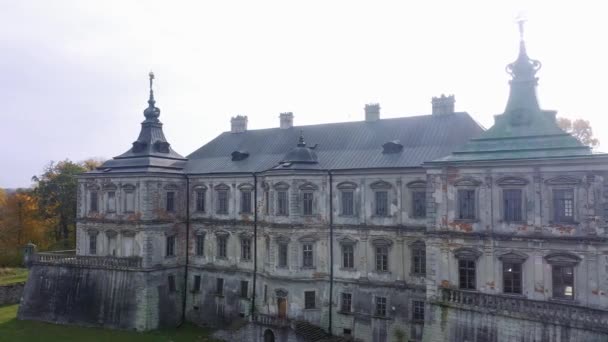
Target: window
[381,200]
[382,258]
[307,201]
[197,284]
[466,204]
[265,293]
[512,205]
[222,242]
[111,205]
[93,205]
[347,301]
[380,306]
[418,310]
[219,286]
[511,277]
[129,201]
[307,255]
[419,204]
[222,202]
[283,255]
[419,259]
[348,203]
[200,200]
[348,256]
[309,299]
[244,288]
[200,245]
[246,202]
[282,208]
[92,244]
[266,202]
[563,282]
[246,249]
[563,205]
[171,280]
[170,247]
[170,201]
[466,274]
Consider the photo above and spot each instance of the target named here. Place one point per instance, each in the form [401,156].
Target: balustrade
[562,313]
[271,320]
[86,260]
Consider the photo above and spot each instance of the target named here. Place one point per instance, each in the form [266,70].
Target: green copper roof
[523,130]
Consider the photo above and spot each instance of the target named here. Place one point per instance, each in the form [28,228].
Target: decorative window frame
[351,242]
[246,236]
[200,187]
[382,185]
[128,189]
[343,187]
[248,188]
[513,257]
[512,183]
[92,188]
[563,259]
[305,240]
[198,233]
[467,183]
[467,253]
[217,189]
[563,182]
[219,234]
[282,240]
[281,186]
[415,186]
[106,189]
[414,246]
[382,242]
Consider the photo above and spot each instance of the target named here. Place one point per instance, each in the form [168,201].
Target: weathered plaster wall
[11,294]
[455,325]
[99,297]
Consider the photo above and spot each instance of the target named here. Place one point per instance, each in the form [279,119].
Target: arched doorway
[268,336]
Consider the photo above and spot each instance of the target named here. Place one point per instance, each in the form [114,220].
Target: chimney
[286,120]
[443,105]
[372,112]
[238,124]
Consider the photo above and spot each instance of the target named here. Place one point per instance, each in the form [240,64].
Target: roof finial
[301,142]
[520,19]
[151,113]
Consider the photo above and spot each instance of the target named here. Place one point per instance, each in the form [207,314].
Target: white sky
[73,74]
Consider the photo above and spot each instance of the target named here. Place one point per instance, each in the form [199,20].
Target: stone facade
[431,238]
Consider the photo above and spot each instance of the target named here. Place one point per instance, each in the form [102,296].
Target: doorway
[282,303]
[268,336]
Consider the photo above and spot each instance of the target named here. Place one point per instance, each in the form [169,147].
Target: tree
[21,221]
[580,129]
[56,192]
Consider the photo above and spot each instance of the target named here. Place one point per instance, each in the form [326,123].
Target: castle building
[420,228]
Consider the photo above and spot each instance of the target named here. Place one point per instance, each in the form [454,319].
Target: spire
[151,113]
[522,97]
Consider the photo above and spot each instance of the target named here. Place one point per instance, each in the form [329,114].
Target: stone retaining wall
[11,294]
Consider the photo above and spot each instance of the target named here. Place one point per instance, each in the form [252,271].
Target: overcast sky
[73,74]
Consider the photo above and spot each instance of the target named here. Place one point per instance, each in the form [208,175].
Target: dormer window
[239,155]
[390,147]
[161,146]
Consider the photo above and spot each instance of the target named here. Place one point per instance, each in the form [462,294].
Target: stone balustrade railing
[520,307]
[271,320]
[86,260]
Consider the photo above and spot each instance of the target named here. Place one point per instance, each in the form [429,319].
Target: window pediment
[308,186]
[245,235]
[222,187]
[281,293]
[128,187]
[245,187]
[92,186]
[466,253]
[109,186]
[381,185]
[92,231]
[222,233]
[347,240]
[111,233]
[467,181]
[282,239]
[563,180]
[128,233]
[171,186]
[418,244]
[309,238]
[513,256]
[382,242]
[347,186]
[199,187]
[417,184]
[562,258]
[199,232]
[510,180]
[281,186]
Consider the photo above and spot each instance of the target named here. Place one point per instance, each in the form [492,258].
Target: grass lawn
[16,331]
[12,275]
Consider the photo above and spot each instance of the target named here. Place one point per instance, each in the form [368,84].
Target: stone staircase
[314,333]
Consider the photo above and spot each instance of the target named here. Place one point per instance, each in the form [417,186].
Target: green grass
[25,331]
[12,275]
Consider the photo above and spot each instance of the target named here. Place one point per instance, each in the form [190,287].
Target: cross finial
[151,75]
[520,19]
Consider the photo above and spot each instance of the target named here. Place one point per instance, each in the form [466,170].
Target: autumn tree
[21,221]
[56,191]
[580,129]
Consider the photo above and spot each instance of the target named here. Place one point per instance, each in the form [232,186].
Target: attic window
[162,146]
[392,147]
[239,155]
[138,146]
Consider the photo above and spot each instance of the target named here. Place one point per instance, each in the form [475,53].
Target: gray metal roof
[346,145]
